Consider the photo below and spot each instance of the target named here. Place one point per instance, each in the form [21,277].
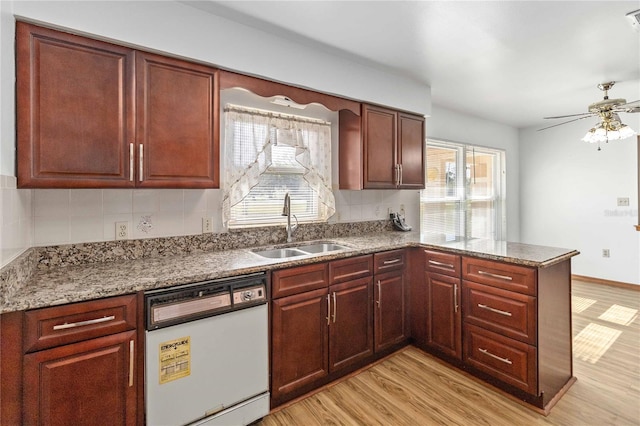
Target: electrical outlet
[606,253]
[122,230]
[623,201]
[207,225]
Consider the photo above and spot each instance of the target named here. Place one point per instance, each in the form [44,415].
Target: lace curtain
[259,131]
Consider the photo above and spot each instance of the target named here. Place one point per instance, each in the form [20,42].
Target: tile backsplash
[16,230]
[42,217]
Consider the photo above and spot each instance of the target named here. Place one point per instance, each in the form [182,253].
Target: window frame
[464,200]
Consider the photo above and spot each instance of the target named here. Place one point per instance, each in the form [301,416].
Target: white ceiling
[513,62]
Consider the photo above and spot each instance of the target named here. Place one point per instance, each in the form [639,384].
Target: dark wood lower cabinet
[86,383]
[351,324]
[299,341]
[506,323]
[444,314]
[390,313]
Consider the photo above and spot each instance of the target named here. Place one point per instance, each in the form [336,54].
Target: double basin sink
[301,250]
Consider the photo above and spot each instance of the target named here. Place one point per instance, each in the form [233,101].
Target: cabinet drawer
[350,269]
[442,263]
[506,312]
[501,275]
[388,261]
[61,325]
[286,282]
[508,360]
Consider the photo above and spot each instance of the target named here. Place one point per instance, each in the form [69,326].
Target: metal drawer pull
[131,160]
[131,361]
[141,165]
[390,262]
[502,277]
[499,358]
[379,294]
[334,307]
[328,309]
[455,297]
[83,323]
[497,311]
[446,265]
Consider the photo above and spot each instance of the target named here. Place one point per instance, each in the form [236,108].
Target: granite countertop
[60,285]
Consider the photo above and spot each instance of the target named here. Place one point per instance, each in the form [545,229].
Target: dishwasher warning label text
[175,359]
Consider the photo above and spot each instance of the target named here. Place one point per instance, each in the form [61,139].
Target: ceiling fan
[610,126]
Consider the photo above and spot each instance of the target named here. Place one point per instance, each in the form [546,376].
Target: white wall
[454,126]
[568,198]
[43,217]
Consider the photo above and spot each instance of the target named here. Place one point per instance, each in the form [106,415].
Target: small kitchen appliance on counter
[206,358]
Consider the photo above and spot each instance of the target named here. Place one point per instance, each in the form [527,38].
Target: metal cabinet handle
[334,307]
[141,165]
[131,361]
[499,358]
[131,162]
[446,265]
[455,297]
[67,325]
[379,294]
[497,311]
[397,167]
[391,262]
[400,167]
[502,277]
[328,309]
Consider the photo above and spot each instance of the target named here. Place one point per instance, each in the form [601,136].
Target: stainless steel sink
[321,247]
[294,251]
[281,253]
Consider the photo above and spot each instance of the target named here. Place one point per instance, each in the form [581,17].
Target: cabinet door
[390,319]
[379,140]
[299,341]
[351,323]
[411,143]
[87,383]
[74,110]
[177,123]
[444,319]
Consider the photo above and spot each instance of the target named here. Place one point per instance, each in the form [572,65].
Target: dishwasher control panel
[191,302]
[249,295]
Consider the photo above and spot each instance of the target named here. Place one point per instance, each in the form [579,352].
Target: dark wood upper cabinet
[381,149]
[74,109]
[411,141]
[177,127]
[380,154]
[93,115]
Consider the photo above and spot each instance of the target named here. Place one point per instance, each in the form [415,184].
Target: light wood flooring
[413,388]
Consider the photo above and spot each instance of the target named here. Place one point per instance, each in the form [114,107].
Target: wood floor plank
[413,388]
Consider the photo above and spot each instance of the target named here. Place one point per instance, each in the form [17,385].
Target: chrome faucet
[286,211]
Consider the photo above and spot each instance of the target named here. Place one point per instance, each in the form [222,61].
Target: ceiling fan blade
[628,107]
[571,115]
[564,122]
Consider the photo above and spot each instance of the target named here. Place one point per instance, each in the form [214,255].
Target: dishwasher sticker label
[175,359]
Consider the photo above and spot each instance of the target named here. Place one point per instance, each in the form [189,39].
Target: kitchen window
[464,192]
[269,154]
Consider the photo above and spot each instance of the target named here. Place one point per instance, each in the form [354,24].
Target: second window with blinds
[464,192]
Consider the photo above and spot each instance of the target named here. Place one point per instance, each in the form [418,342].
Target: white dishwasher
[206,356]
